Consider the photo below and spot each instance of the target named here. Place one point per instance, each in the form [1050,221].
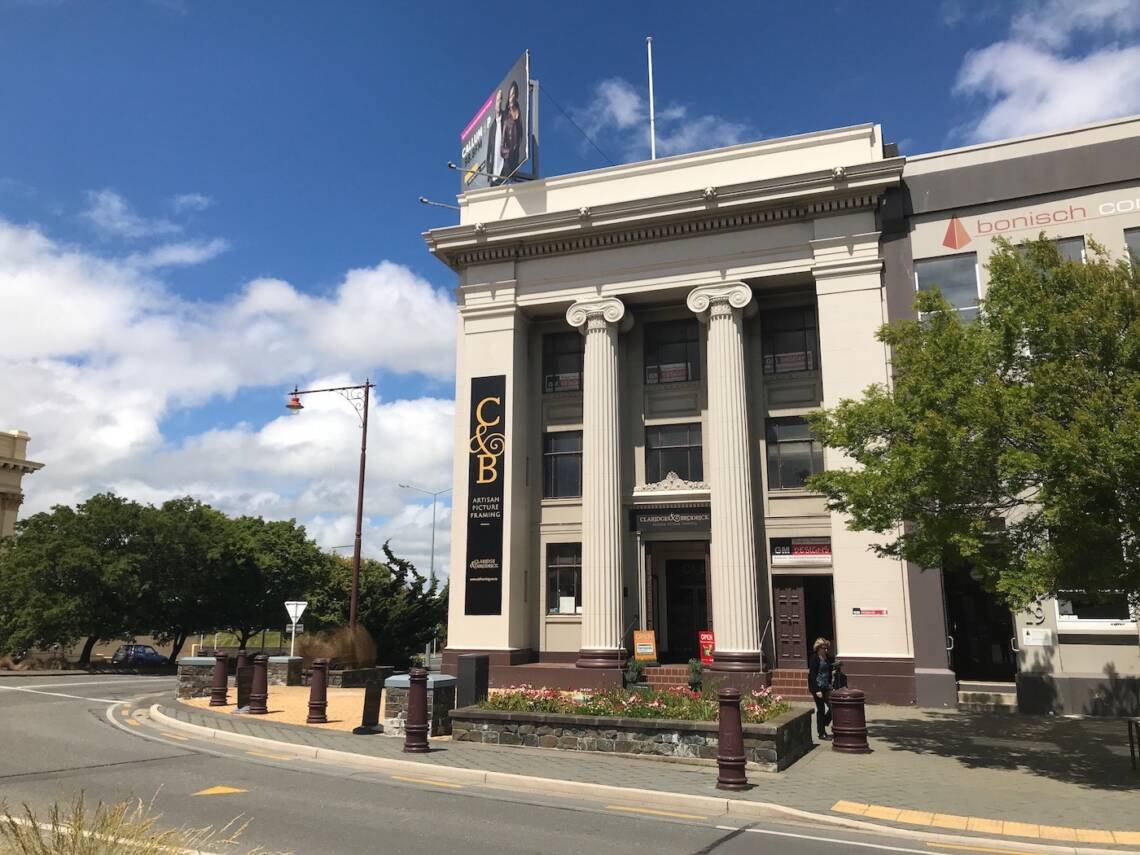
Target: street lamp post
[434,496]
[358,397]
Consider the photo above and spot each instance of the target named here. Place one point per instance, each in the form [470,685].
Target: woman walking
[820,668]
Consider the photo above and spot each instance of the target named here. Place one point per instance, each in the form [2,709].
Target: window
[562,361]
[1071,248]
[672,352]
[673,448]
[1079,606]
[793,453]
[956,276]
[1132,241]
[788,340]
[562,464]
[564,578]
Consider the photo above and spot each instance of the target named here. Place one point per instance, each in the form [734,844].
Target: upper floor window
[788,339]
[562,464]
[673,448]
[672,352]
[1080,606]
[1071,248]
[564,578]
[562,361]
[793,453]
[956,276]
[1132,241]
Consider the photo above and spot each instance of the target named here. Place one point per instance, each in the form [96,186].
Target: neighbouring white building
[14,465]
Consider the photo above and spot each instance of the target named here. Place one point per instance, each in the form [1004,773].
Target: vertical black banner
[486,447]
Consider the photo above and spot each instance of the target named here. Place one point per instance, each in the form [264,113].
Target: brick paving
[1024,769]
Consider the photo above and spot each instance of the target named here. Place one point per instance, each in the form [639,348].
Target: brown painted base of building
[737,660]
[883,681]
[591,658]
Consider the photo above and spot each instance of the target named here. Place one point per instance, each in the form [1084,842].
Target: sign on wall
[486,448]
[800,551]
[707,642]
[645,645]
[647,520]
[496,144]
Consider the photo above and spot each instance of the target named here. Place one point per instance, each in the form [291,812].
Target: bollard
[242,659]
[219,686]
[730,743]
[416,728]
[849,722]
[259,691]
[318,693]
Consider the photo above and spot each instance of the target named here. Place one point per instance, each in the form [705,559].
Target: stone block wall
[440,701]
[772,746]
[195,673]
[284,671]
[357,678]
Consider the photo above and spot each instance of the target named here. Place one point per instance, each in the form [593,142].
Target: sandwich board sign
[295,608]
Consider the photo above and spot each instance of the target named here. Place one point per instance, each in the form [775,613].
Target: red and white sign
[801,551]
[707,643]
[858,612]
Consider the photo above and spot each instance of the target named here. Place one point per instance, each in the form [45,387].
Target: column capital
[706,299]
[608,310]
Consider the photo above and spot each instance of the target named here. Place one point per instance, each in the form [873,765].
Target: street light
[358,397]
[434,495]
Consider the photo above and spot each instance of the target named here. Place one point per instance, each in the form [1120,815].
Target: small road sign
[295,608]
[294,627]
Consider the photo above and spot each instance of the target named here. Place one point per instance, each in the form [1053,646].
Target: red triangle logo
[956,235]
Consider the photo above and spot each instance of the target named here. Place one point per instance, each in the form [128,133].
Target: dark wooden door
[791,643]
[982,630]
[686,595]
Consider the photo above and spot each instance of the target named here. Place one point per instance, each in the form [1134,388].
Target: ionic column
[601,645]
[728,470]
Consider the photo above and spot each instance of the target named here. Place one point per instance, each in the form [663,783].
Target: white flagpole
[652,130]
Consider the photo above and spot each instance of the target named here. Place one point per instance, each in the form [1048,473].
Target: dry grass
[350,649]
[118,829]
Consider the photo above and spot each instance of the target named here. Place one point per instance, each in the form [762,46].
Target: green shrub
[676,702]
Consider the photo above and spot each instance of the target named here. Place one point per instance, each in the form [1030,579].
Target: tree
[398,606]
[272,562]
[1009,444]
[74,573]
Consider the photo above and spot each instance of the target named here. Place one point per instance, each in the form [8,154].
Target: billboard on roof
[496,144]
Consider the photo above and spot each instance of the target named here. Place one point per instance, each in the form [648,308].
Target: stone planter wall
[284,671]
[356,678]
[195,673]
[440,702]
[773,746]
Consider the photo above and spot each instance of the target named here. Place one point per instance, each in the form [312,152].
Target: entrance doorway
[981,629]
[804,612]
[686,607]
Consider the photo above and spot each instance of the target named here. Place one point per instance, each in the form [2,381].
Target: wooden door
[791,644]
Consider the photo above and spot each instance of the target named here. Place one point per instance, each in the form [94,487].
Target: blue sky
[187,187]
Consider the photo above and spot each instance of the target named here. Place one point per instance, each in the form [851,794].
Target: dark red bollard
[219,685]
[416,727]
[730,743]
[318,693]
[849,722]
[242,659]
[259,690]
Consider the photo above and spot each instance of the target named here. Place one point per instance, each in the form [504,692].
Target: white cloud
[619,115]
[191,202]
[180,254]
[104,356]
[1028,83]
[113,216]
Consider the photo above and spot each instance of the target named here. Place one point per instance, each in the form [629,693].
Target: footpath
[1009,779]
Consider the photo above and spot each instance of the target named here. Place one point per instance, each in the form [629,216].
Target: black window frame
[657,451]
[771,327]
[656,339]
[554,352]
[560,563]
[555,460]
[1132,244]
[776,448]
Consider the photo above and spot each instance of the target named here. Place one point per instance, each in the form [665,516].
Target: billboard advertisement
[495,146]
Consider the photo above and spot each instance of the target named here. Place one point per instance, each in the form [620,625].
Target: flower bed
[676,702]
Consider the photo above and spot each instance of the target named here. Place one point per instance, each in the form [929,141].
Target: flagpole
[652,129]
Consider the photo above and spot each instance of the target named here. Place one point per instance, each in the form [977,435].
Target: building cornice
[24,467]
[679,215]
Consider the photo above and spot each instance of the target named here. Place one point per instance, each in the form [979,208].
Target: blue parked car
[137,654]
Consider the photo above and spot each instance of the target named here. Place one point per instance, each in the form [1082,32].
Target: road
[63,736]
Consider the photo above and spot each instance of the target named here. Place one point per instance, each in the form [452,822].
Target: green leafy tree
[72,574]
[272,562]
[398,606]
[1010,444]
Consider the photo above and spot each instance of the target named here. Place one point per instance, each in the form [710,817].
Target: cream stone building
[637,349]
[14,465]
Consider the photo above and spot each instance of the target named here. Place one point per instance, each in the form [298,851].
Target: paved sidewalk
[1071,776]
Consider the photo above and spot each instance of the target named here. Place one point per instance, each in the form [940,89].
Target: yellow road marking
[916,817]
[986,826]
[220,791]
[1058,832]
[958,847]
[132,722]
[170,735]
[652,812]
[428,781]
[1127,837]
[1021,829]
[857,808]
[270,756]
[1088,835]
[880,812]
